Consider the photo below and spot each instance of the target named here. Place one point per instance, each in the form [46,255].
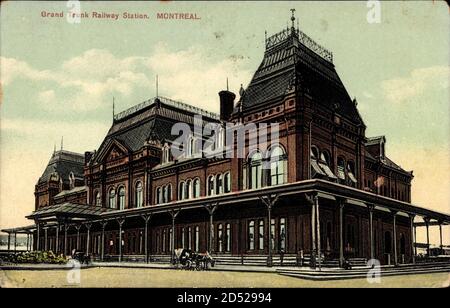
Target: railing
[302,38]
[169,102]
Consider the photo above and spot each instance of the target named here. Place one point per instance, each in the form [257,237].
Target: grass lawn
[127,277]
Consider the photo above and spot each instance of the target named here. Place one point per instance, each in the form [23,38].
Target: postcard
[226,146]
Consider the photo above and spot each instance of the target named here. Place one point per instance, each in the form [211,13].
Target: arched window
[211,185]
[228,237]
[158,196]
[341,169]
[277,166]
[261,235]
[165,154]
[139,194]
[169,193]
[251,235]
[219,184]
[255,178]
[183,235]
[112,198]
[351,173]
[188,190]
[98,199]
[181,189]
[227,182]
[165,194]
[326,165]
[196,188]
[316,171]
[122,198]
[220,237]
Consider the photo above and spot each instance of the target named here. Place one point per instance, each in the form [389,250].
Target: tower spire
[113,107]
[157,90]
[293,18]
[227,84]
[62,141]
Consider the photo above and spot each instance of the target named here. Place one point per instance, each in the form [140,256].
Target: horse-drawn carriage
[191,260]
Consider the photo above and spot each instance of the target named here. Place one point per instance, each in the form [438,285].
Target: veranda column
[313,235]
[120,221]
[440,236]
[427,225]
[103,239]
[341,232]
[15,241]
[394,213]
[174,214]
[211,209]
[88,237]
[37,235]
[46,239]
[66,227]
[269,201]
[413,237]
[372,244]
[77,227]
[146,219]
[57,239]
[9,241]
[316,203]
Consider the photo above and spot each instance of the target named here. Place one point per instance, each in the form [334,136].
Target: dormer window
[166,154]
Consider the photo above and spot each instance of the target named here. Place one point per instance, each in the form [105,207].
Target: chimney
[87,157]
[226,104]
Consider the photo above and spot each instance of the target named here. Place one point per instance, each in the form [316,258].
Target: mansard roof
[294,59]
[150,120]
[63,163]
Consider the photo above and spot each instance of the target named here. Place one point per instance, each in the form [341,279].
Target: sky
[59,78]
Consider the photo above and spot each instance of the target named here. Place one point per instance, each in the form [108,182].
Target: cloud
[398,90]
[87,82]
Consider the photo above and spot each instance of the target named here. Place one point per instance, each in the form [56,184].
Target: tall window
[220,237]
[189,238]
[351,173]
[181,189]
[255,170]
[139,194]
[164,241]
[272,233]
[228,237]
[251,235]
[197,238]
[98,199]
[165,154]
[325,164]
[196,188]
[112,198]
[341,169]
[158,195]
[261,235]
[282,234]
[170,239]
[219,184]
[211,185]
[188,190]
[277,166]
[227,182]
[122,198]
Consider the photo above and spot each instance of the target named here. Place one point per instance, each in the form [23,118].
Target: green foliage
[34,257]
